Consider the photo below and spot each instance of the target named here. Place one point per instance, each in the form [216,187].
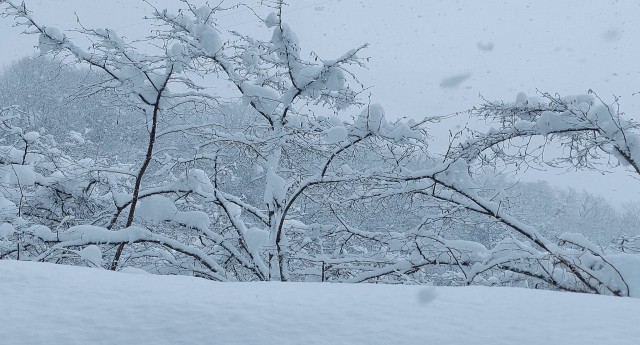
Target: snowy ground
[52,304]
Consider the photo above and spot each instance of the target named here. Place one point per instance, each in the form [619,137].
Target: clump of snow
[548,122]
[193,219]
[275,189]
[8,210]
[204,13]
[18,175]
[306,75]
[156,209]
[177,50]
[196,180]
[92,255]
[6,230]
[251,59]
[335,121]
[294,121]
[86,162]
[335,135]
[12,154]
[77,137]
[256,238]
[209,39]
[371,119]
[334,79]
[92,233]
[578,99]
[31,136]
[628,265]
[521,99]
[580,240]
[401,132]
[265,99]
[346,169]
[43,233]
[178,55]
[234,210]
[523,125]
[204,36]
[457,174]
[50,40]
[272,20]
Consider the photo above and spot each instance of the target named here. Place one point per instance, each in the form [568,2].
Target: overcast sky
[434,57]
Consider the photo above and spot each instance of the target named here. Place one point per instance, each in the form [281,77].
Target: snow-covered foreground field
[53,304]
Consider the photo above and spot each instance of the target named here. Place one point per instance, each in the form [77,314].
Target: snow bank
[52,304]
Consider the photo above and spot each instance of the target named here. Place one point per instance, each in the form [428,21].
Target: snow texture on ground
[53,304]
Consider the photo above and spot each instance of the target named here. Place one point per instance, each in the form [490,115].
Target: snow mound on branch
[156,209]
[403,131]
[204,13]
[179,56]
[43,233]
[18,175]
[196,180]
[6,230]
[335,135]
[265,99]
[50,40]
[276,189]
[91,233]
[201,28]
[8,210]
[209,39]
[12,154]
[371,119]
[193,219]
[272,20]
[628,265]
[234,210]
[31,136]
[150,309]
[256,239]
[91,254]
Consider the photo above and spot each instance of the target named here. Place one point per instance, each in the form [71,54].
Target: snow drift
[54,304]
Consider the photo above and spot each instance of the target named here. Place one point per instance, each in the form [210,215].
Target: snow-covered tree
[304,181]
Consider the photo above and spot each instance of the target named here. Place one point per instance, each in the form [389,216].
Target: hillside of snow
[55,304]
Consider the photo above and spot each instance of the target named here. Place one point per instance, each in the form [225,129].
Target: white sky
[504,47]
